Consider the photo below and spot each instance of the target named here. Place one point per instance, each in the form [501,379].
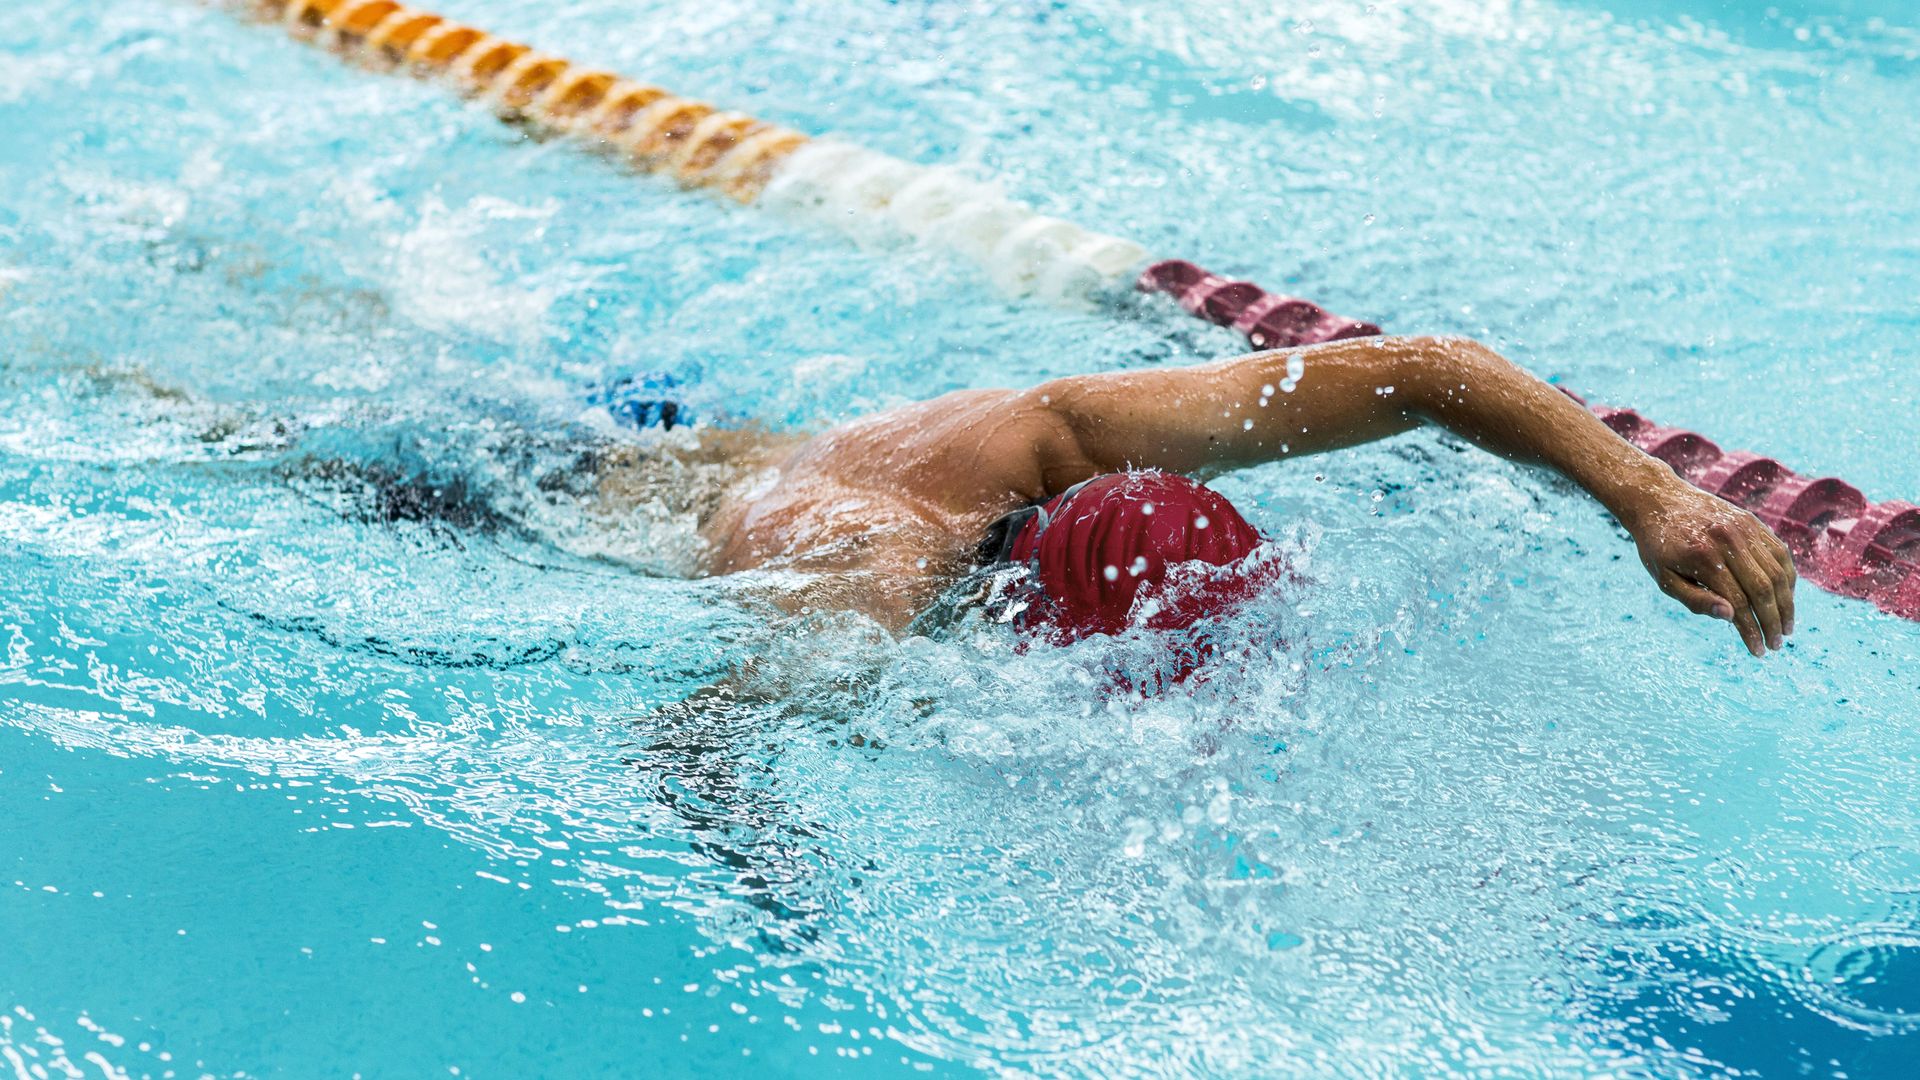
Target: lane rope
[1840,541]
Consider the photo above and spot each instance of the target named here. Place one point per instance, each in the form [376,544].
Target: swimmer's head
[1101,548]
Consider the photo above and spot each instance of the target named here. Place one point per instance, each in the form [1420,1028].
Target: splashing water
[342,729]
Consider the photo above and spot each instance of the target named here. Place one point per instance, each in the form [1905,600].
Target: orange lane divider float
[658,131]
[1841,542]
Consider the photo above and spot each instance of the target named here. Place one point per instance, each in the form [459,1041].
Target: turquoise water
[299,776]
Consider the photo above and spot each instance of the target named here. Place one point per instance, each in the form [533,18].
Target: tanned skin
[893,504]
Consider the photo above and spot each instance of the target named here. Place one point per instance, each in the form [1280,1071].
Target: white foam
[442,279]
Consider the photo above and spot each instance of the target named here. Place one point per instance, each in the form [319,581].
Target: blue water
[297,781]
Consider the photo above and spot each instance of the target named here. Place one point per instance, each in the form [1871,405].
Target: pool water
[339,735]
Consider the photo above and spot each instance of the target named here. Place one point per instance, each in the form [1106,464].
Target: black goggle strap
[996,548]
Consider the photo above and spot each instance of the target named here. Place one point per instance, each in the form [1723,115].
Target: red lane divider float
[1840,541]
[1269,320]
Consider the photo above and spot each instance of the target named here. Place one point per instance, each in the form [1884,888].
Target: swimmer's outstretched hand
[1719,561]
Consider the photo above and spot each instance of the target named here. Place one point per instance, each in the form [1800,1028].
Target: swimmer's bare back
[893,504]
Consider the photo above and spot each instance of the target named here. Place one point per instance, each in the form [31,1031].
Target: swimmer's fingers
[1761,569]
[1720,578]
[1756,577]
[1764,568]
[1694,597]
[1785,577]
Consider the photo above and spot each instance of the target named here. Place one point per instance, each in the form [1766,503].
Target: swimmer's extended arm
[1713,557]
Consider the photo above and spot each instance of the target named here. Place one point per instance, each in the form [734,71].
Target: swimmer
[1089,481]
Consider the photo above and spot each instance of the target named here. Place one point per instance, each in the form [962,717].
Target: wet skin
[891,505]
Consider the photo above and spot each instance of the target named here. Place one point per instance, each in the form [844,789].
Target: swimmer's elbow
[1437,350]
[1431,370]
[1085,419]
[1065,402]
[1059,410]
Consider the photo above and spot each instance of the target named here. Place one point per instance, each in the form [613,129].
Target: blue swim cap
[643,400]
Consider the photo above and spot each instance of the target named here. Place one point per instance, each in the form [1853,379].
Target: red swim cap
[1097,547]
